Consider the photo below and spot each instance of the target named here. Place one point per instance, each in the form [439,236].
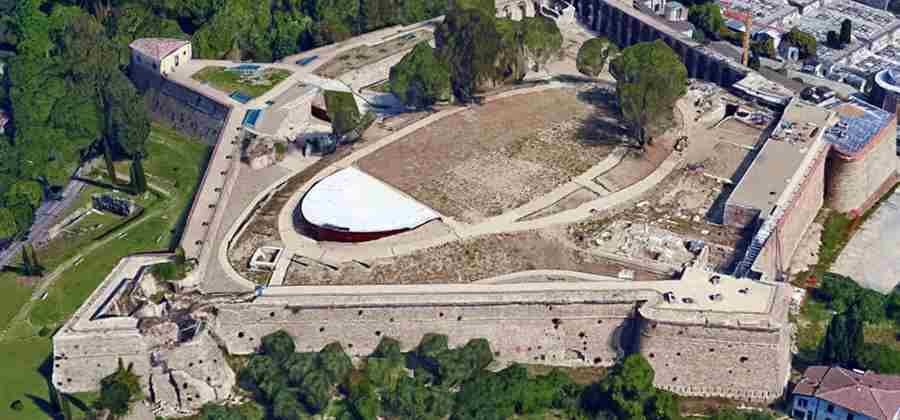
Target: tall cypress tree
[35,264]
[26,262]
[138,178]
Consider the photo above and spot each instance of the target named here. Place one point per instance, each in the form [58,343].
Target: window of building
[830,408]
[801,402]
[809,415]
[849,416]
[797,414]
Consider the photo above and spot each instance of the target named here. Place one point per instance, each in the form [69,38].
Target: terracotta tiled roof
[871,394]
[157,47]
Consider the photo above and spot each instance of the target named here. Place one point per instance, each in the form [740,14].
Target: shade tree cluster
[475,51]
[69,100]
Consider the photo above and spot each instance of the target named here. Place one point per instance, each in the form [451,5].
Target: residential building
[160,55]
[835,393]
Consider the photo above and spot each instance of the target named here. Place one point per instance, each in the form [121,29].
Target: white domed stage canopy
[351,200]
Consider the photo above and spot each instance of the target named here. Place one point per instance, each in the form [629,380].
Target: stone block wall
[188,112]
[80,361]
[575,334]
[800,213]
[706,361]
[853,181]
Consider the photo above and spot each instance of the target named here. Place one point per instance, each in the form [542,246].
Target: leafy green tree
[542,40]
[650,78]
[316,390]
[843,338]
[26,193]
[467,40]
[212,411]
[342,110]
[286,407]
[892,305]
[594,55]
[804,42]
[335,362]
[413,400]
[708,18]
[291,30]
[846,32]
[510,64]
[388,348]
[118,390]
[8,227]
[765,48]
[420,79]
[365,403]
[841,292]
[259,370]
[879,357]
[298,365]
[278,345]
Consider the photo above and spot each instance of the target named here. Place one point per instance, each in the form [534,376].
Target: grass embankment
[814,316]
[230,81]
[175,162]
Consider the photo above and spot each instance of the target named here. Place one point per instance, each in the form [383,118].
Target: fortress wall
[854,184]
[717,362]
[80,361]
[188,112]
[202,359]
[800,214]
[559,334]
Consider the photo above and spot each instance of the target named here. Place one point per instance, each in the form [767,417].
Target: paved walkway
[872,257]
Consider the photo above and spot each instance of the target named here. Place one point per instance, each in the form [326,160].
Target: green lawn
[175,162]
[228,82]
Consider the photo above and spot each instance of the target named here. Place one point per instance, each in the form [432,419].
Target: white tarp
[358,202]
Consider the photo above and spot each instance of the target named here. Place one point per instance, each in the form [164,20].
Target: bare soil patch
[492,158]
[464,262]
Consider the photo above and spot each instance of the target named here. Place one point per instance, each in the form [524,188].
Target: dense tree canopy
[468,42]
[844,338]
[594,55]
[707,17]
[650,78]
[342,110]
[420,79]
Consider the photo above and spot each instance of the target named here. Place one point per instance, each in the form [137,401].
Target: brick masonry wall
[852,183]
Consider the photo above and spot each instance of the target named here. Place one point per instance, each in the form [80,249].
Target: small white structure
[676,12]
[265,258]
[162,55]
[4,120]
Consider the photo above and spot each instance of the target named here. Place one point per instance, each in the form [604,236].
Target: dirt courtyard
[495,157]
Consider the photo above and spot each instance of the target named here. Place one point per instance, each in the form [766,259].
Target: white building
[162,55]
[834,393]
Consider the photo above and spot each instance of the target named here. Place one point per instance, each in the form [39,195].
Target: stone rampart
[188,112]
[573,334]
[853,181]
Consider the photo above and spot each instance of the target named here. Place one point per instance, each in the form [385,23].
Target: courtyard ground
[27,338]
[487,160]
[251,86]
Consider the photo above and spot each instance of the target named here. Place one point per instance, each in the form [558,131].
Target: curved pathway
[298,244]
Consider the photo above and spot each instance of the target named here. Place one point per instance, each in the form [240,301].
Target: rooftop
[859,123]
[756,85]
[353,200]
[157,48]
[869,24]
[780,157]
[271,120]
[867,393]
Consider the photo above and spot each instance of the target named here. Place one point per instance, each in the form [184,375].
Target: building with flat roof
[161,55]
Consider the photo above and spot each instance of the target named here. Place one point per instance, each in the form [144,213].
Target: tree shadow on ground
[603,127]
[50,406]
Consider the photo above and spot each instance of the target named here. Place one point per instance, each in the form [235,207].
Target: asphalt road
[43,221]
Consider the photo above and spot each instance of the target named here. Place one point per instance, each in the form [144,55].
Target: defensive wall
[626,26]
[709,350]
[180,364]
[856,178]
[189,112]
